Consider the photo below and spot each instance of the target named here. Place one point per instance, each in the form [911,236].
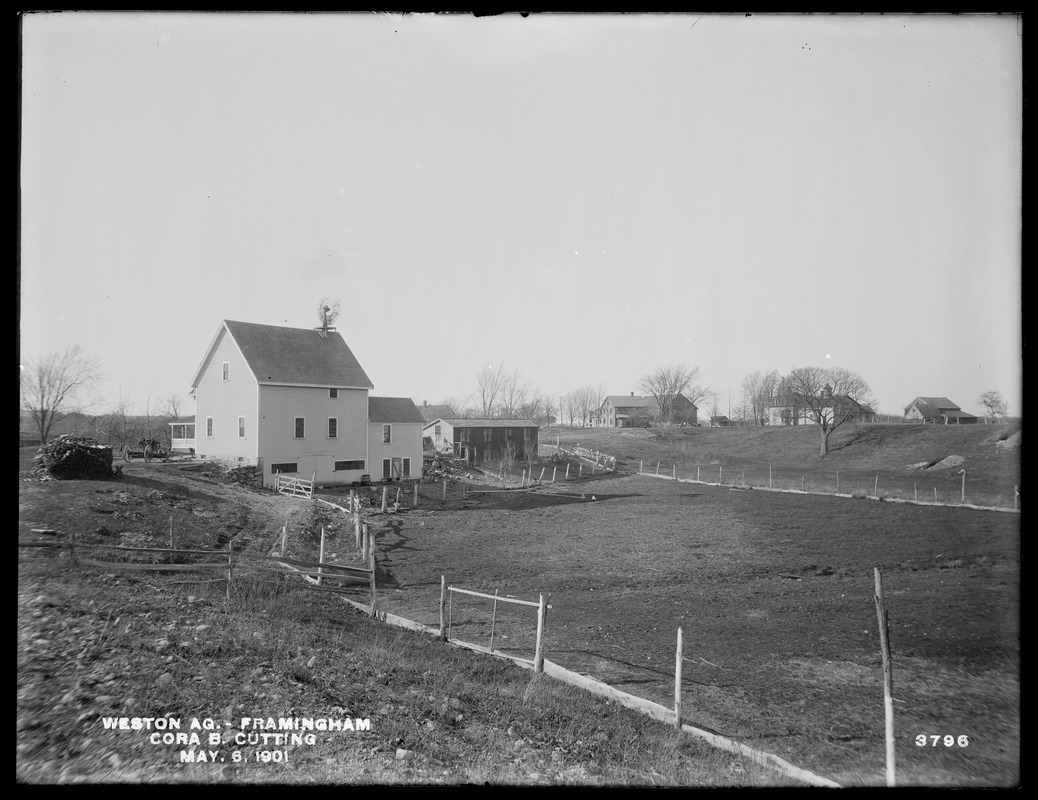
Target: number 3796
[932,740]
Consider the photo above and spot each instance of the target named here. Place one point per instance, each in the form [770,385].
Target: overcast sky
[579,198]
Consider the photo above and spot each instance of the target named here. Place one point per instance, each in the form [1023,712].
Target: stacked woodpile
[72,457]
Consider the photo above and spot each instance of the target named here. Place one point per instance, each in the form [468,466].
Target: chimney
[425,403]
[632,394]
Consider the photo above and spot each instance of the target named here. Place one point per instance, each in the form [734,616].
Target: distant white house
[296,401]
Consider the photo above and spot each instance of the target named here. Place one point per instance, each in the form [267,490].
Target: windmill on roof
[327,311]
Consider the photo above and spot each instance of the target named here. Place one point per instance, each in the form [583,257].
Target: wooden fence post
[935,494]
[320,558]
[567,471]
[915,490]
[837,481]
[365,540]
[445,490]
[443,607]
[580,470]
[371,566]
[803,484]
[397,501]
[674,472]
[769,476]
[697,475]
[875,489]
[538,657]
[416,495]
[657,467]
[888,677]
[677,683]
[963,486]
[641,467]
[553,471]
[284,540]
[720,472]
[540,479]
[385,498]
[356,527]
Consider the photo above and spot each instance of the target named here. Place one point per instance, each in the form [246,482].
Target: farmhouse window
[407,468]
[487,434]
[288,466]
[341,466]
[333,427]
[437,431]
[464,435]
[300,427]
[387,431]
[387,467]
[226,370]
[241,427]
[208,427]
[333,393]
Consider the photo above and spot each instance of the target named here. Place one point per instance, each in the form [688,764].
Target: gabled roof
[438,412]
[939,403]
[627,401]
[467,422]
[393,409]
[295,356]
[647,401]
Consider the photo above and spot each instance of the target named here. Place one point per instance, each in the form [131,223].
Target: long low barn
[483,440]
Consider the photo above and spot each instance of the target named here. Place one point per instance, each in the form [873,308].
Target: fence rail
[447,595]
[949,488]
[295,487]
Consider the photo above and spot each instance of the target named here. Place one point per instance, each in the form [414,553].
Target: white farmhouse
[291,400]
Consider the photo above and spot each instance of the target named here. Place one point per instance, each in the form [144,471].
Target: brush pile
[72,457]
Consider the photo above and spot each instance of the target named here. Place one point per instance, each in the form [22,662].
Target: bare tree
[586,401]
[994,403]
[172,407]
[570,407]
[506,460]
[512,395]
[666,383]
[121,426]
[758,389]
[489,382]
[530,450]
[54,387]
[831,396]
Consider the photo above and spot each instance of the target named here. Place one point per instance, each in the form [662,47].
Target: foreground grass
[94,645]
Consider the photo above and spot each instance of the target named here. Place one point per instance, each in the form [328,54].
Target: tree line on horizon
[57,389]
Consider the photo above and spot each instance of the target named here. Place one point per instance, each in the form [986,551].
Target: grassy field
[773,593]
[891,457]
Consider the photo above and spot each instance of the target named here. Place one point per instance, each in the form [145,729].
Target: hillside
[895,453]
